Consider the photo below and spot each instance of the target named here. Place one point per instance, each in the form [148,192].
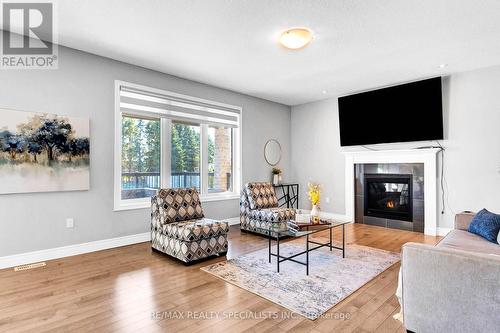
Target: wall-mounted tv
[403,113]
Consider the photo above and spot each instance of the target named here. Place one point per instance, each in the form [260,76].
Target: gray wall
[83,86]
[472,140]
[316,153]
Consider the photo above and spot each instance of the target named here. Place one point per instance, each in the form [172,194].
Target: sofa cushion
[466,241]
[261,195]
[179,204]
[194,230]
[486,225]
[273,214]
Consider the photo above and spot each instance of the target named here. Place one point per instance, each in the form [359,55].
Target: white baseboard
[71,250]
[335,216]
[443,231]
[440,231]
[233,220]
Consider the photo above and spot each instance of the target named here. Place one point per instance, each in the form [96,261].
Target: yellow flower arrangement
[314,192]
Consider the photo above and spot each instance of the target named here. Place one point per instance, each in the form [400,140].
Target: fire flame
[390,204]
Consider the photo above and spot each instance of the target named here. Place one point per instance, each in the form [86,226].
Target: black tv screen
[403,113]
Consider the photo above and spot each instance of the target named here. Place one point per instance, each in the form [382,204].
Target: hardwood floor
[131,289]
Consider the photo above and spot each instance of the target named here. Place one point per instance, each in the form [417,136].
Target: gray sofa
[453,286]
[259,209]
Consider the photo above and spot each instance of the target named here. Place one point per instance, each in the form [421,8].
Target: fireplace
[420,163]
[389,196]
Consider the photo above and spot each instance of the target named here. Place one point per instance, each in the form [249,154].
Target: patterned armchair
[259,208]
[179,228]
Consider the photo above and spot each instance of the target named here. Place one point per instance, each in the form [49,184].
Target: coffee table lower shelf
[280,258]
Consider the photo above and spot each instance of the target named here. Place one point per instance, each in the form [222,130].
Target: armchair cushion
[273,214]
[179,204]
[261,195]
[194,230]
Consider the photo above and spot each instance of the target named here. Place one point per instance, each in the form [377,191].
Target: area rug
[331,277]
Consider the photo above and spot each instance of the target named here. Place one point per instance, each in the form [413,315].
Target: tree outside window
[185,155]
[140,157]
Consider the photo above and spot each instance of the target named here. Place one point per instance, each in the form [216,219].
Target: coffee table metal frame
[301,233]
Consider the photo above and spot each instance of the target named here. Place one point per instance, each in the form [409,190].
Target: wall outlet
[70,223]
[327,199]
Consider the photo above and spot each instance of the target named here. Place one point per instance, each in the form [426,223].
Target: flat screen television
[403,113]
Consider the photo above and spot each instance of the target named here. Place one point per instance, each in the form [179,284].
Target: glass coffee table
[306,230]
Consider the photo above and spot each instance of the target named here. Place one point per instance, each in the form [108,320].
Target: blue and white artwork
[42,152]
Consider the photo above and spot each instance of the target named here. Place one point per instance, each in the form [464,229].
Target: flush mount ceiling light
[295,38]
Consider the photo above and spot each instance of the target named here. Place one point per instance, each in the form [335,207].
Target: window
[140,158]
[185,155]
[164,139]
[220,159]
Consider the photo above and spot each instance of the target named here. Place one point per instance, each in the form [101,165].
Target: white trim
[237,156]
[132,204]
[426,156]
[145,203]
[117,151]
[219,196]
[335,216]
[203,159]
[72,250]
[232,220]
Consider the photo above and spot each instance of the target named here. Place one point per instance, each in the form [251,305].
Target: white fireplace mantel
[426,156]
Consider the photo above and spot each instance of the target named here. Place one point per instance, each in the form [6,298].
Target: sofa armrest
[462,220]
[449,290]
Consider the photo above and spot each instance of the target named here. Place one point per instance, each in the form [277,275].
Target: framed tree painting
[42,152]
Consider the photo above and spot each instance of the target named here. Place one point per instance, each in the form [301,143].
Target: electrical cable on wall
[442,149]
[442,180]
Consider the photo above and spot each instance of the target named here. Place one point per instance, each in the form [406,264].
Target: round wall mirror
[272,152]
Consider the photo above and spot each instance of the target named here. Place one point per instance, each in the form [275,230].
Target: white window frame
[165,167]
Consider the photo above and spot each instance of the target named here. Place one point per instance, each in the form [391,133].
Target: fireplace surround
[428,157]
[390,195]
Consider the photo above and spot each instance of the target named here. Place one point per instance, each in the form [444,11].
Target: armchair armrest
[449,290]
[462,220]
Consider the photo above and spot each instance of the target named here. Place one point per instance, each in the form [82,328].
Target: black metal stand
[280,258]
[289,195]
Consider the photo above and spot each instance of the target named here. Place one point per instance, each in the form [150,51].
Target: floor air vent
[29,266]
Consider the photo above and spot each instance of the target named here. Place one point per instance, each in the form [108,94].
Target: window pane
[140,158]
[185,156]
[220,158]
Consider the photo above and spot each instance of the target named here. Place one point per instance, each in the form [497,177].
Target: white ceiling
[359,44]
